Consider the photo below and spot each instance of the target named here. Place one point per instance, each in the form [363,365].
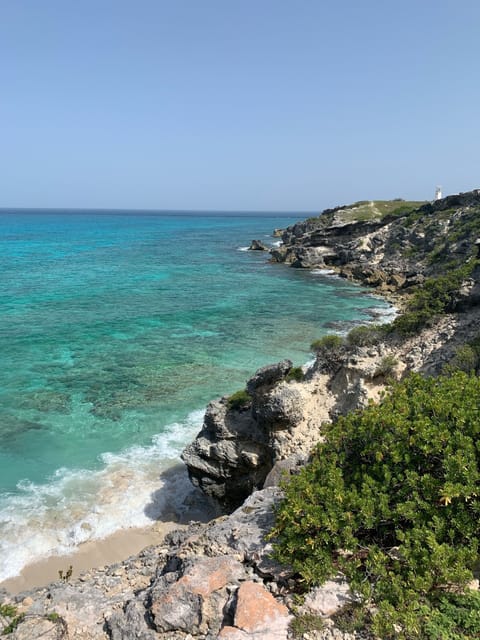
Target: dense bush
[466,358]
[434,297]
[295,375]
[391,498]
[330,342]
[386,366]
[366,335]
[239,400]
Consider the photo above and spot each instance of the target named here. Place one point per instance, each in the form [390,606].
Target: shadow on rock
[178,501]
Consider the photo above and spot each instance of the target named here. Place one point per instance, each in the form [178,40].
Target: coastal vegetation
[10,618]
[391,500]
[366,334]
[434,297]
[295,375]
[386,366]
[330,342]
[239,400]
[466,357]
[369,210]
[305,623]
[363,211]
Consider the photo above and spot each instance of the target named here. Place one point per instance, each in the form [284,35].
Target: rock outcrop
[257,245]
[233,453]
[392,252]
[238,447]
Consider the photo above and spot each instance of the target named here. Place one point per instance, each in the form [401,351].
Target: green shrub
[366,335]
[239,400]
[411,322]
[330,342]
[434,297]
[352,617]
[13,624]
[386,366]
[8,610]
[53,617]
[295,374]
[391,499]
[466,358]
[304,623]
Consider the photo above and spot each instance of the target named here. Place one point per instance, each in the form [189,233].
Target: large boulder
[233,453]
[230,457]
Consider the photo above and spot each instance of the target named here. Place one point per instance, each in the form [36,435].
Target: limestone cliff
[391,245]
[391,251]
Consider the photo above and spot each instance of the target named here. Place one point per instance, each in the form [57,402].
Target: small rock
[329,598]
[257,245]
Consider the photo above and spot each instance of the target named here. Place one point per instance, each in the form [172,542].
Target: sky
[260,105]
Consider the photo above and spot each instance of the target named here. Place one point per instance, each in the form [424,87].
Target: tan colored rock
[258,613]
[232,633]
[27,602]
[194,603]
[210,575]
[35,629]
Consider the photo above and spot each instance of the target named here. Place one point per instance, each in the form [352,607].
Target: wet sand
[123,543]
[92,554]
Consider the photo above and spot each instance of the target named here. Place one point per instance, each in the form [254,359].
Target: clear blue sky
[237,104]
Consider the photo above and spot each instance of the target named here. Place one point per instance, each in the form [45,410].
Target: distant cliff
[392,245]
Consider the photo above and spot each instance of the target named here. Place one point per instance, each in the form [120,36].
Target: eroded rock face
[266,377]
[194,597]
[392,253]
[232,454]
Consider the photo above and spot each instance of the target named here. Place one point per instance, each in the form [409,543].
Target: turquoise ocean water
[116,329]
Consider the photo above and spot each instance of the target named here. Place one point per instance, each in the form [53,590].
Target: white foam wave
[243,248]
[323,272]
[308,365]
[384,315]
[80,505]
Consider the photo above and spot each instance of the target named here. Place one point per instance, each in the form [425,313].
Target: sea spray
[80,505]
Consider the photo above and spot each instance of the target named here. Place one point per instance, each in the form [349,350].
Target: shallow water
[116,329]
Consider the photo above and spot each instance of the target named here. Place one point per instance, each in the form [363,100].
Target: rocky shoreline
[218,580]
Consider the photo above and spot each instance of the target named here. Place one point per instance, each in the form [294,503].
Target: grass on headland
[378,209]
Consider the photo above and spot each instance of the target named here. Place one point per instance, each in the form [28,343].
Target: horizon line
[152,210]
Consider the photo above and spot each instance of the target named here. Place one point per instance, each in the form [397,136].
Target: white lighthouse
[438,193]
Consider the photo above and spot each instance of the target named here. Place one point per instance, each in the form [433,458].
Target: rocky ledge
[206,581]
[241,449]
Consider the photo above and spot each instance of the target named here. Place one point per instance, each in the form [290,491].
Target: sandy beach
[92,554]
[123,543]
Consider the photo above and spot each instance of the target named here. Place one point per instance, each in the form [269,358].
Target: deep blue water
[116,329]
